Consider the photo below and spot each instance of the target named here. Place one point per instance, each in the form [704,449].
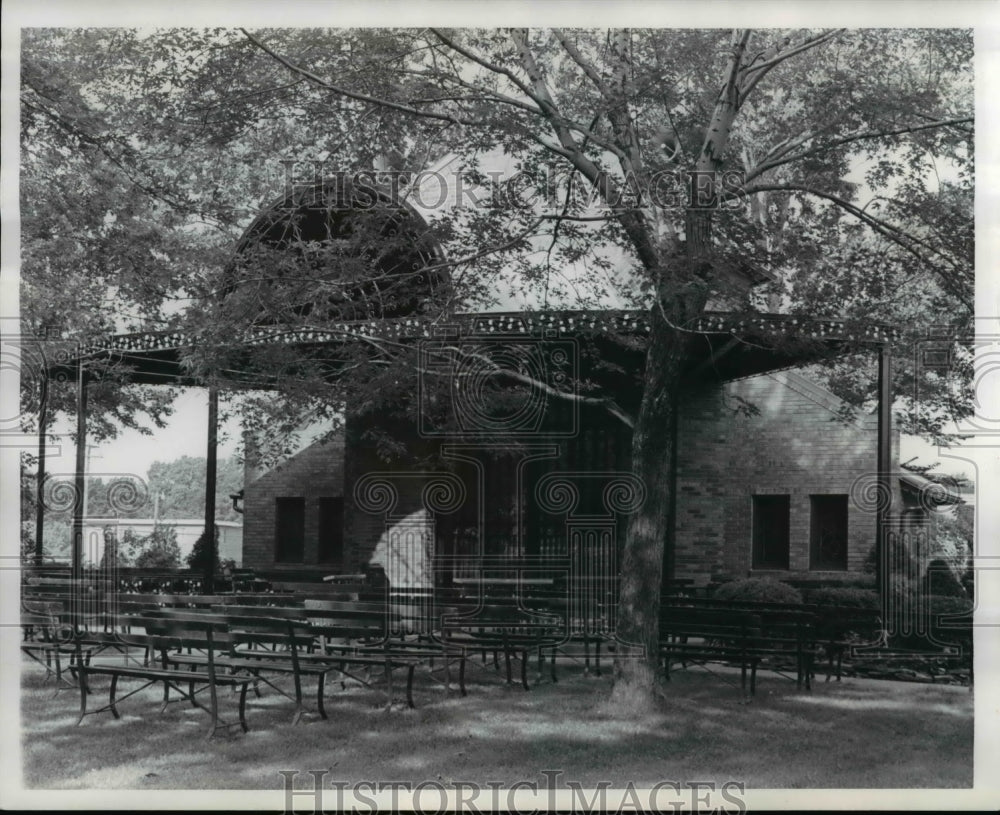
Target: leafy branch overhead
[174,139]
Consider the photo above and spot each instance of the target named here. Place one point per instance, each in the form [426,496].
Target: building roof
[736,344]
[930,494]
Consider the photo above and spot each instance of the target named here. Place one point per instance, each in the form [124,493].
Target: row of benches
[519,624]
[255,635]
[310,640]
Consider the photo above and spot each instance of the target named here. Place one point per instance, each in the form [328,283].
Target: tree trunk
[683,295]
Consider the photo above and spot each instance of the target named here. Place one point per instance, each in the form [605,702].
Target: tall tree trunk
[682,298]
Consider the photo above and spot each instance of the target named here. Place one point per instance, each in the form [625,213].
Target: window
[770,531]
[289,530]
[828,532]
[331,530]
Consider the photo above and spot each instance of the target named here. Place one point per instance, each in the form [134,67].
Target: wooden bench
[841,628]
[787,632]
[702,635]
[503,627]
[47,640]
[303,647]
[585,624]
[342,591]
[263,641]
[163,636]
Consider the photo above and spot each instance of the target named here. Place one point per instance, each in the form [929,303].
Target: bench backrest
[367,622]
[206,633]
[708,623]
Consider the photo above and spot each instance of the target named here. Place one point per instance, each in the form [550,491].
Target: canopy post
[211,469]
[884,456]
[79,487]
[43,421]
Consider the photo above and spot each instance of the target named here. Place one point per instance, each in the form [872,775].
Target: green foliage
[940,580]
[157,550]
[187,130]
[848,596]
[161,550]
[947,604]
[758,590]
[203,553]
[179,487]
[953,540]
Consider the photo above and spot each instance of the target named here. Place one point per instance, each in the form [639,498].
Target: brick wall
[315,472]
[796,446]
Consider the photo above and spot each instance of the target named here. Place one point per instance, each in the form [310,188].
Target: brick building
[766,471]
[545,487]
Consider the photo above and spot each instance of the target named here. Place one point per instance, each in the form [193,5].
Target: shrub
[941,604]
[202,553]
[940,580]
[758,590]
[161,550]
[847,596]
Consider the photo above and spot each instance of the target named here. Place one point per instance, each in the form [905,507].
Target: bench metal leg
[111,696]
[320,692]
[409,686]
[243,707]
[83,695]
[214,702]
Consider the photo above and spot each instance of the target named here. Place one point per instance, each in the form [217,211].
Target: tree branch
[494,68]
[773,160]
[607,403]
[360,97]
[754,73]
[898,236]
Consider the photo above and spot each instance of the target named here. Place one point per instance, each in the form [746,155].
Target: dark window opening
[828,532]
[289,530]
[770,531]
[331,530]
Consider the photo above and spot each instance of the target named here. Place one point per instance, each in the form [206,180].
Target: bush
[758,590]
[847,596]
[202,553]
[940,604]
[940,580]
[161,550]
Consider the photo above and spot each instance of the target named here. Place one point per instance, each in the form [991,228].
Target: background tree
[179,487]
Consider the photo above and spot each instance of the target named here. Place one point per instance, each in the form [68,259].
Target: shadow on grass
[834,737]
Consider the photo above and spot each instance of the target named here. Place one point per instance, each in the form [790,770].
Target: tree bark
[650,529]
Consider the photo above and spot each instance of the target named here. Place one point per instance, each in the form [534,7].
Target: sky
[133,452]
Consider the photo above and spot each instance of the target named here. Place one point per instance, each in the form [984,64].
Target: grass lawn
[856,734]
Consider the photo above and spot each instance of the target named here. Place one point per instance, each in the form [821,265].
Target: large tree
[839,161]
